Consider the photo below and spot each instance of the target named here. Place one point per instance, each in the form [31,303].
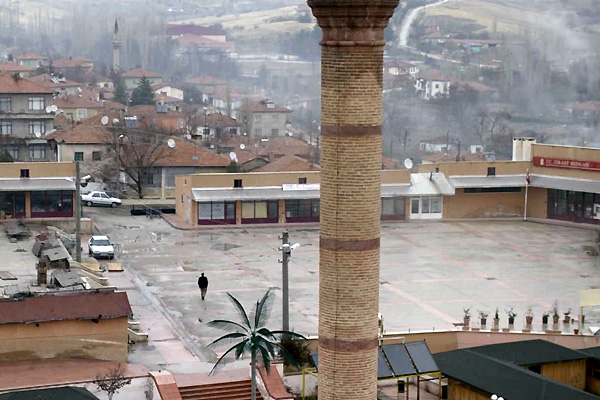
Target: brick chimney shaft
[351,98]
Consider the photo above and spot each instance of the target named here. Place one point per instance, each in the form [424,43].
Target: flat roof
[563,183]
[36,184]
[489,181]
[64,307]
[530,352]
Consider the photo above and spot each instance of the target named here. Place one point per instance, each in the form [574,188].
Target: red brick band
[347,345]
[350,130]
[349,245]
[349,43]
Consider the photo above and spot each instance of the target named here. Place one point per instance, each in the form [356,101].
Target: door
[19,205]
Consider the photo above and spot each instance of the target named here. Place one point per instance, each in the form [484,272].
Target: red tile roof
[75,102]
[288,163]
[204,80]
[202,41]
[89,131]
[218,120]
[139,72]
[182,29]
[10,84]
[46,80]
[477,86]
[30,56]
[72,62]
[586,106]
[261,106]
[276,147]
[11,66]
[188,154]
[58,308]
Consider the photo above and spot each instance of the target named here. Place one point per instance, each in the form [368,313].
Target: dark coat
[203,282]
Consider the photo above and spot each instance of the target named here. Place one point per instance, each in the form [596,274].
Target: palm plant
[252,337]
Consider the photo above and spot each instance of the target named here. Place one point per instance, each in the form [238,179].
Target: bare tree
[136,153]
[112,381]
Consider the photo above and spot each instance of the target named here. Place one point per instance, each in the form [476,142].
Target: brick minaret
[351,97]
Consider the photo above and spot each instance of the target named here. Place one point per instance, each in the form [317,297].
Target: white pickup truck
[99,198]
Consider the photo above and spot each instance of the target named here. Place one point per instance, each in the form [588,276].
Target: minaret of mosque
[116,42]
[351,131]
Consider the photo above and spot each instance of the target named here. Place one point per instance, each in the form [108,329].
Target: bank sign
[564,163]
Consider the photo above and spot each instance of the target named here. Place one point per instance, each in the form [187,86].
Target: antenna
[171,143]
[104,120]
[408,164]
[242,146]
[233,157]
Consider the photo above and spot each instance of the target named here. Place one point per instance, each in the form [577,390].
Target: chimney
[351,101]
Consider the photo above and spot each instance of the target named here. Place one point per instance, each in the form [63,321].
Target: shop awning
[422,184]
[491,181]
[563,183]
[36,184]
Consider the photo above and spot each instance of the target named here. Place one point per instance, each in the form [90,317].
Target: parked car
[100,198]
[100,246]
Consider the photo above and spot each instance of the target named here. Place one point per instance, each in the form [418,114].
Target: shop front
[12,205]
[569,205]
[52,203]
[216,213]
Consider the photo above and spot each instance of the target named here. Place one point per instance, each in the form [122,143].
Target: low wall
[65,224]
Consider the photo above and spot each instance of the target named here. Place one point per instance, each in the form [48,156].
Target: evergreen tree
[5,157]
[143,93]
[120,94]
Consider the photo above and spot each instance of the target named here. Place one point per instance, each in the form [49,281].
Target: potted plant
[511,316]
[567,314]
[529,315]
[496,319]
[466,316]
[483,317]
[555,315]
[545,317]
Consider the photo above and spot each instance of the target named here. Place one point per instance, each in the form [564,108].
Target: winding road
[410,18]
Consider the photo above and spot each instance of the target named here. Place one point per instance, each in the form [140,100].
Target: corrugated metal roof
[34,184]
[556,182]
[491,181]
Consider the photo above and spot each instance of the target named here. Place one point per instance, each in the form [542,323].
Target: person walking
[203,285]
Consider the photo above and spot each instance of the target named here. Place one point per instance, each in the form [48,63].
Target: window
[257,118]
[52,203]
[275,118]
[78,156]
[493,190]
[37,151]
[24,173]
[96,156]
[5,128]
[237,183]
[274,132]
[216,211]
[37,103]
[491,171]
[265,210]
[37,128]
[437,85]
[302,210]
[179,123]
[302,181]
[131,122]
[12,151]
[257,132]
[81,113]
[393,206]
[5,104]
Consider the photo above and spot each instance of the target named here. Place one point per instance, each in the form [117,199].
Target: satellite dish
[53,108]
[242,146]
[48,109]
[408,164]
[171,143]
[38,134]
[104,120]
[115,121]
[233,156]
[256,145]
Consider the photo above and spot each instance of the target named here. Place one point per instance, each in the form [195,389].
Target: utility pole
[285,254]
[77,212]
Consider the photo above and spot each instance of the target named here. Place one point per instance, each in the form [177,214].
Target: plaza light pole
[286,253]
[77,212]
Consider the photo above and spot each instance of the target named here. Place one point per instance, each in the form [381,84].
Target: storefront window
[262,211]
[52,204]
[302,210]
[219,211]
[573,206]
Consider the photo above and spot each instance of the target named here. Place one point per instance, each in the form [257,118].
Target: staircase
[231,390]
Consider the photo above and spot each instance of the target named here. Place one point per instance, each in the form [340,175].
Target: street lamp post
[121,137]
[286,253]
[205,125]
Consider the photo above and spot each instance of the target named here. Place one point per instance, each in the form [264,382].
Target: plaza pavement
[430,271]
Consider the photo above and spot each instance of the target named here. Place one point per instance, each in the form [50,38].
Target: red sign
[563,163]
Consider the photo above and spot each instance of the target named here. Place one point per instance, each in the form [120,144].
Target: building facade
[36,190]
[25,119]
[263,119]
